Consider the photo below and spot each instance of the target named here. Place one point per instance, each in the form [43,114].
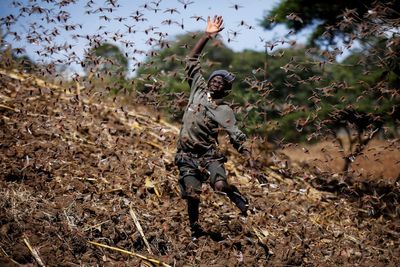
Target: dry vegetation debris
[74,169]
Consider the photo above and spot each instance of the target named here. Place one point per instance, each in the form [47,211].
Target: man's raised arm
[192,69]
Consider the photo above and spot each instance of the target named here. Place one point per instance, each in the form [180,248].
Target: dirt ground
[73,170]
[380,160]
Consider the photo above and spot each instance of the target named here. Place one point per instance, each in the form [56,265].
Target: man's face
[217,86]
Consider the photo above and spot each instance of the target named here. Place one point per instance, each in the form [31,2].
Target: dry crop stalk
[34,253]
[131,253]
[140,229]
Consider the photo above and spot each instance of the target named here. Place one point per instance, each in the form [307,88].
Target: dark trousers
[195,170]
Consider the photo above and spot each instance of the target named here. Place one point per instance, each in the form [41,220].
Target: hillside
[77,169]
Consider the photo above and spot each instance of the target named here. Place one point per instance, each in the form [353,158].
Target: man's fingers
[220,23]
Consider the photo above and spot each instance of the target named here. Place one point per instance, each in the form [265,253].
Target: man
[197,156]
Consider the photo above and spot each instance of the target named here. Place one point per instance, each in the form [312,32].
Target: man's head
[220,83]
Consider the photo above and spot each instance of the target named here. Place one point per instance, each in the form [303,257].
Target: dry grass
[70,173]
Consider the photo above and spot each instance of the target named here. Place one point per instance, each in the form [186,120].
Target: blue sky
[235,35]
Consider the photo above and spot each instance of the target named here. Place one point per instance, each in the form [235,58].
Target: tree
[325,16]
[106,66]
[360,129]
[360,94]
[105,59]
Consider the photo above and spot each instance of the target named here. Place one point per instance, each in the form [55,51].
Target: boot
[240,201]
[193,212]
[197,231]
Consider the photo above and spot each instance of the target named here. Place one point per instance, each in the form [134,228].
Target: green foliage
[366,82]
[169,60]
[11,60]
[25,63]
[292,93]
[105,60]
[261,97]
[300,14]
[106,67]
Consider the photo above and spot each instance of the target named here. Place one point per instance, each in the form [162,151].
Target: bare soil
[380,159]
[73,166]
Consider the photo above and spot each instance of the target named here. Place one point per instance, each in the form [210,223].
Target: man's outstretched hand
[214,26]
